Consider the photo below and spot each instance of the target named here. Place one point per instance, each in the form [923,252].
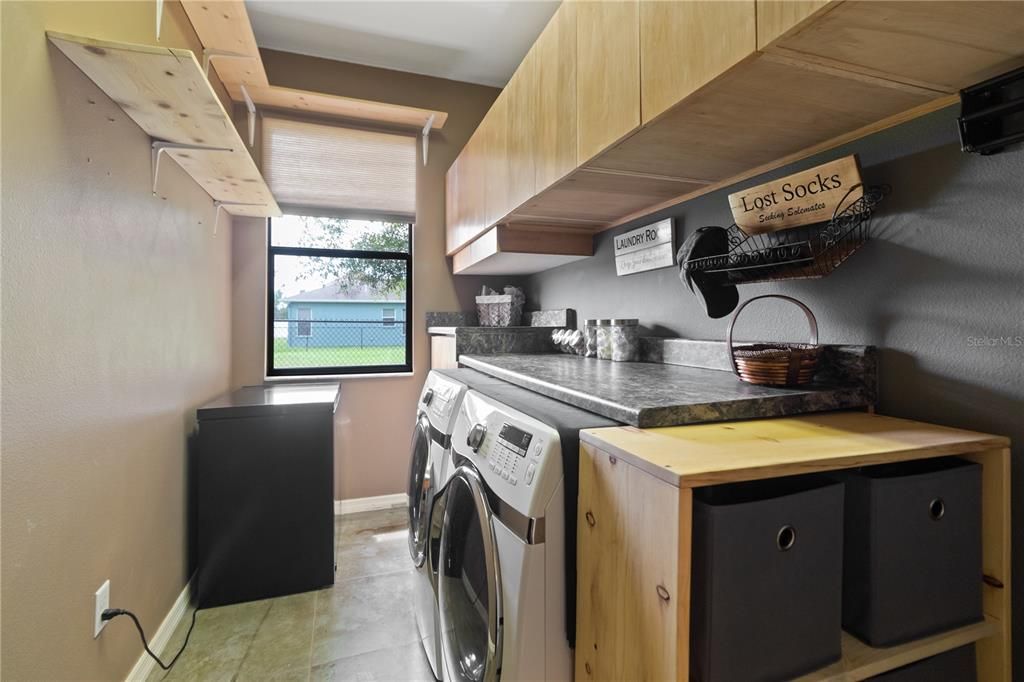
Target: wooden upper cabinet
[686,45]
[776,17]
[466,192]
[608,74]
[522,131]
[452,205]
[943,46]
[555,82]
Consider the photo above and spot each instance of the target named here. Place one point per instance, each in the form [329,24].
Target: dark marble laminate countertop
[647,394]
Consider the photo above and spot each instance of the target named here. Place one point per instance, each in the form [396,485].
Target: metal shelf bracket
[426,137]
[219,206]
[209,55]
[159,147]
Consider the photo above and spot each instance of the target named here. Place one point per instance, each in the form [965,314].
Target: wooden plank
[706,454]
[995,653]
[165,92]
[223,25]
[948,45]
[556,98]
[861,662]
[809,196]
[551,243]
[686,45]
[608,74]
[322,104]
[775,18]
[602,553]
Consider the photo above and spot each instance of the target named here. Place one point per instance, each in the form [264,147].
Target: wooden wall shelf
[226,34]
[166,93]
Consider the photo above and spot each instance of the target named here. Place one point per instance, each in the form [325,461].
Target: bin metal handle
[937,508]
[786,538]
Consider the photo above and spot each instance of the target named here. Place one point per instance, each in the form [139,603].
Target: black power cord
[110,614]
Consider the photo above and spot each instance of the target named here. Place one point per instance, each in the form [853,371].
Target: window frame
[338,371]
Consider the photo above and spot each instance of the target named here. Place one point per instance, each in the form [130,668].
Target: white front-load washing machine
[428,471]
[504,604]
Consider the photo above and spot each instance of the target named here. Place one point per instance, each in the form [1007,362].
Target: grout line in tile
[245,656]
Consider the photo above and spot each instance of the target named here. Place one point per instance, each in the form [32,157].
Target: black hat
[718,297]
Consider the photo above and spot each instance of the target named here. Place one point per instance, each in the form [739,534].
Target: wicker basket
[502,310]
[775,364]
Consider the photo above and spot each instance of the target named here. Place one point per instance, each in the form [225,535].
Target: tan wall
[374,422]
[116,325]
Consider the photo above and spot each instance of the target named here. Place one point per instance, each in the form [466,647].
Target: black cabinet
[265,493]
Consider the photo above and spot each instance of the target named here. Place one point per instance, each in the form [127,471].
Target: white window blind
[352,170]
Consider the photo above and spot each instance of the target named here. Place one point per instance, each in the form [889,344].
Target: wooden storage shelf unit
[166,93]
[662,102]
[635,525]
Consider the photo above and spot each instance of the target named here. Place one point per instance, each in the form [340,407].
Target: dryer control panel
[518,456]
[438,401]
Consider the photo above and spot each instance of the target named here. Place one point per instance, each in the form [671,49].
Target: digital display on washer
[517,439]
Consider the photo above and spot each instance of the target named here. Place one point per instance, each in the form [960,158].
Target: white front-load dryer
[501,573]
[428,472]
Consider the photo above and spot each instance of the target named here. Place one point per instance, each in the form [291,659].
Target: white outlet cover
[102,604]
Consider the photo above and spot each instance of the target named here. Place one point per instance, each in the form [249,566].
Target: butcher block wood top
[707,454]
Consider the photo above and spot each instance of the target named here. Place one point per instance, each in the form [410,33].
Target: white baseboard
[145,665]
[363,504]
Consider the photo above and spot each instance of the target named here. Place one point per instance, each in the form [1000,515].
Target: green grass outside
[333,356]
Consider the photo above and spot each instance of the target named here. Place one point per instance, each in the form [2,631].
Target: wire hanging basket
[805,252]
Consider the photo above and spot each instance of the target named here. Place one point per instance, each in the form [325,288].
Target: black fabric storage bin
[956,665]
[912,552]
[766,579]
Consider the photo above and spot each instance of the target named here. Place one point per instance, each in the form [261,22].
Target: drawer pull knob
[591,521]
[786,538]
[663,593]
[937,508]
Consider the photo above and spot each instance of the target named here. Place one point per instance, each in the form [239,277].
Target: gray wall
[945,268]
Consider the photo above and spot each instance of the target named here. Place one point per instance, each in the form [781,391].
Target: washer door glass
[469,595]
[420,492]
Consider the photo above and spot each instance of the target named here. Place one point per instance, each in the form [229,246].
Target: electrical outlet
[102,604]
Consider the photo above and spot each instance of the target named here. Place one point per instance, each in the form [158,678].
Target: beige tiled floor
[360,629]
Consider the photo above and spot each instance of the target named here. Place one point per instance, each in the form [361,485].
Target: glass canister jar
[604,339]
[590,336]
[625,340]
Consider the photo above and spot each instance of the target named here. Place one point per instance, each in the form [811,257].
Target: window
[305,325]
[339,293]
[339,263]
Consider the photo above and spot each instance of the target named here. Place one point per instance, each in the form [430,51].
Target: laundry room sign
[646,248]
[807,197]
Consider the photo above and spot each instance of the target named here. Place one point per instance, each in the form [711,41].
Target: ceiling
[472,41]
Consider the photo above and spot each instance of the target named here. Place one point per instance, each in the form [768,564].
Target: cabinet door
[608,74]
[555,123]
[686,45]
[452,205]
[522,130]
[468,191]
[494,152]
